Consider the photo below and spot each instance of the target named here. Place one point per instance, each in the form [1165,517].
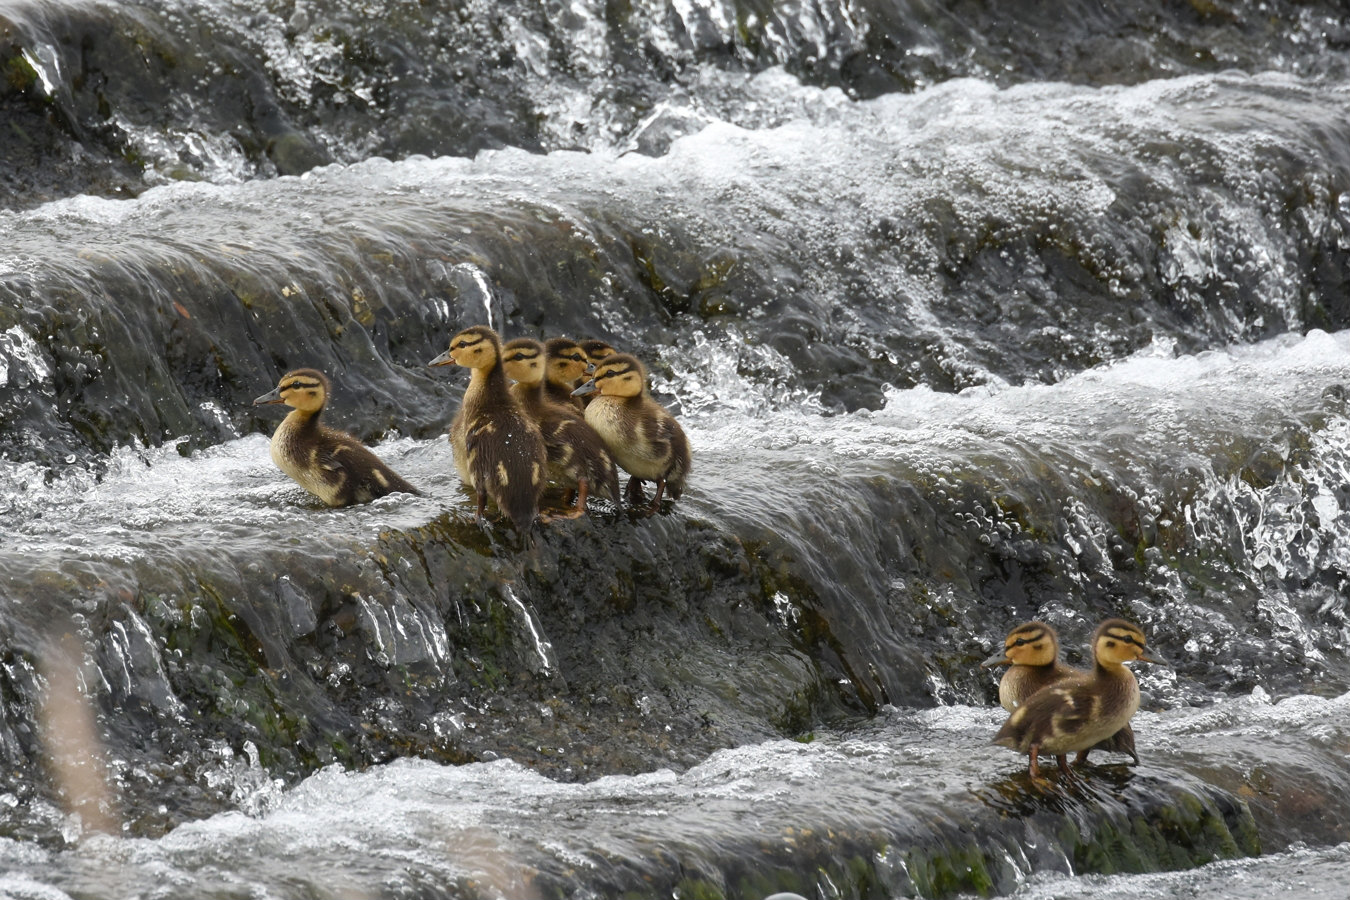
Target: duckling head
[1029,644]
[523,360]
[596,350]
[304,389]
[619,375]
[566,361]
[1118,641]
[477,347]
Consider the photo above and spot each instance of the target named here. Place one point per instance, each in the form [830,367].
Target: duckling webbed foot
[575,511]
[634,493]
[655,506]
[1038,780]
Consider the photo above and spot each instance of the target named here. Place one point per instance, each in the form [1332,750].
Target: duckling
[1032,651]
[577,457]
[595,350]
[332,465]
[498,448]
[642,435]
[1080,711]
[565,369]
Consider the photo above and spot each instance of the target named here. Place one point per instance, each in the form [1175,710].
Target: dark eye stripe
[297,385]
[1031,636]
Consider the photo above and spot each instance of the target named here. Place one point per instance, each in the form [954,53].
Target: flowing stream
[973,313]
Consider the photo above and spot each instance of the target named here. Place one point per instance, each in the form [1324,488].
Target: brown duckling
[1079,712]
[596,350]
[332,465]
[577,457]
[1031,650]
[565,370]
[641,434]
[499,451]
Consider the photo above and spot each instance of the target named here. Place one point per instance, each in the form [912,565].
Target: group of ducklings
[523,424]
[562,412]
[1057,709]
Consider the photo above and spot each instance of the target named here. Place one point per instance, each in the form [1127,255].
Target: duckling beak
[586,388]
[998,659]
[444,359]
[1155,659]
[273,396]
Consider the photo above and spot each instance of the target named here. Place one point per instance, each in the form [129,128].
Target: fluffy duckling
[499,451]
[596,351]
[1079,712]
[577,457]
[565,370]
[642,435]
[1031,650]
[332,465]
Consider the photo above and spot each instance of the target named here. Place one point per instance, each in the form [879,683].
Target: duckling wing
[579,452]
[356,473]
[654,432]
[327,455]
[500,445]
[669,444]
[507,459]
[1053,714]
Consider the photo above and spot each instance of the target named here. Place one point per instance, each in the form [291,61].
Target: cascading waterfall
[972,316]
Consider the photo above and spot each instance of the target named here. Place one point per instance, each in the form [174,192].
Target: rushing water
[971,315]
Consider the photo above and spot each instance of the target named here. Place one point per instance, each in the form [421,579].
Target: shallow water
[498,829]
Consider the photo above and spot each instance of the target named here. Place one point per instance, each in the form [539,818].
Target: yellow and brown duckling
[1077,713]
[596,352]
[332,465]
[565,371]
[577,457]
[1031,651]
[641,434]
[499,451]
